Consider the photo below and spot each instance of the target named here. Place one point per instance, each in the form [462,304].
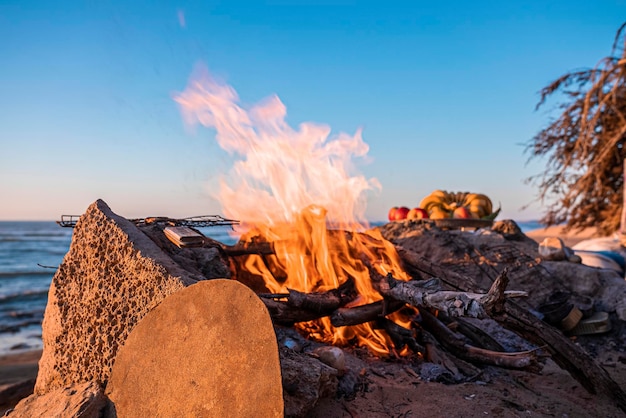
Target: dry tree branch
[585,146]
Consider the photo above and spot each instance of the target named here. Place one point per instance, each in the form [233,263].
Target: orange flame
[297,189]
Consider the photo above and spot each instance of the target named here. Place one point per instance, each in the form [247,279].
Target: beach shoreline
[18,366]
[570,238]
[18,372]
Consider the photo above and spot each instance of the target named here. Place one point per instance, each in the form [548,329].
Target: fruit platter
[449,210]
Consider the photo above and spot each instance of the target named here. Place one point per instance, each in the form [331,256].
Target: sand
[506,394]
[570,238]
[17,377]
[19,366]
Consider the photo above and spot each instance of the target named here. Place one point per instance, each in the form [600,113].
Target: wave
[46,234]
[43,251]
[18,326]
[46,239]
[225,235]
[529,225]
[14,274]
[23,296]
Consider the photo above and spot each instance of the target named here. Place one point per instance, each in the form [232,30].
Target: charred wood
[427,293]
[365,313]
[323,301]
[258,248]
[400,336]
[283,313]
[527,360]
[475,334]
[434,353]
[302,307]
[564,352]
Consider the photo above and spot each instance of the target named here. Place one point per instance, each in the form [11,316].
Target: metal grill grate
[69,221]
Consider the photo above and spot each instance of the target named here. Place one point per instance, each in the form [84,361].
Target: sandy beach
[17,377]
[570,238]
[19,366]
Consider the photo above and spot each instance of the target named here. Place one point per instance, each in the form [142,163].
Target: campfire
[307,250]
[320,280]
[297,192]
[306,247]
[419,317]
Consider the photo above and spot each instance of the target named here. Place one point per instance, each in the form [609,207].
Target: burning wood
[343,317]
[400,336]
[427,293]
[324,301]
[303,307]
[423,294]
[296,306]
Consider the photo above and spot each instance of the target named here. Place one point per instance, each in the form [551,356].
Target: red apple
[461,213]
[392,213]
[401,213]
[417,213]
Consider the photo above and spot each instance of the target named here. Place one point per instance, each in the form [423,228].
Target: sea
[30,252]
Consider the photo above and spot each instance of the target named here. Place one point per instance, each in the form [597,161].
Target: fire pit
[117,271]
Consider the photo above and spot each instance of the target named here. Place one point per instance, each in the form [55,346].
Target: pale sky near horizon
[444,93]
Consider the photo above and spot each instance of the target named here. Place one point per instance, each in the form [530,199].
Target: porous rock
[84,400]
[207,351]
[111,277]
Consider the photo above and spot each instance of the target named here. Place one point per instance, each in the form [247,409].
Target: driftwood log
[427,293]
[528,360]
[564,352]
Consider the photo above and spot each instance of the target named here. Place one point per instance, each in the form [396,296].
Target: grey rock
[553,249]
[305,381]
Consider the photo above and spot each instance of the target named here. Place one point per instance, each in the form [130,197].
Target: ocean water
[30,252]
[29,255]
[25,249]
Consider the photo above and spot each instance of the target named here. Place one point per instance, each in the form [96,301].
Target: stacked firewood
[442,297]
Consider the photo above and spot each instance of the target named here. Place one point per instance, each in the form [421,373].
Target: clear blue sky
[445,93]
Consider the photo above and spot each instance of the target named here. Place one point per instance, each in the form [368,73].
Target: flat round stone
[208,350]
